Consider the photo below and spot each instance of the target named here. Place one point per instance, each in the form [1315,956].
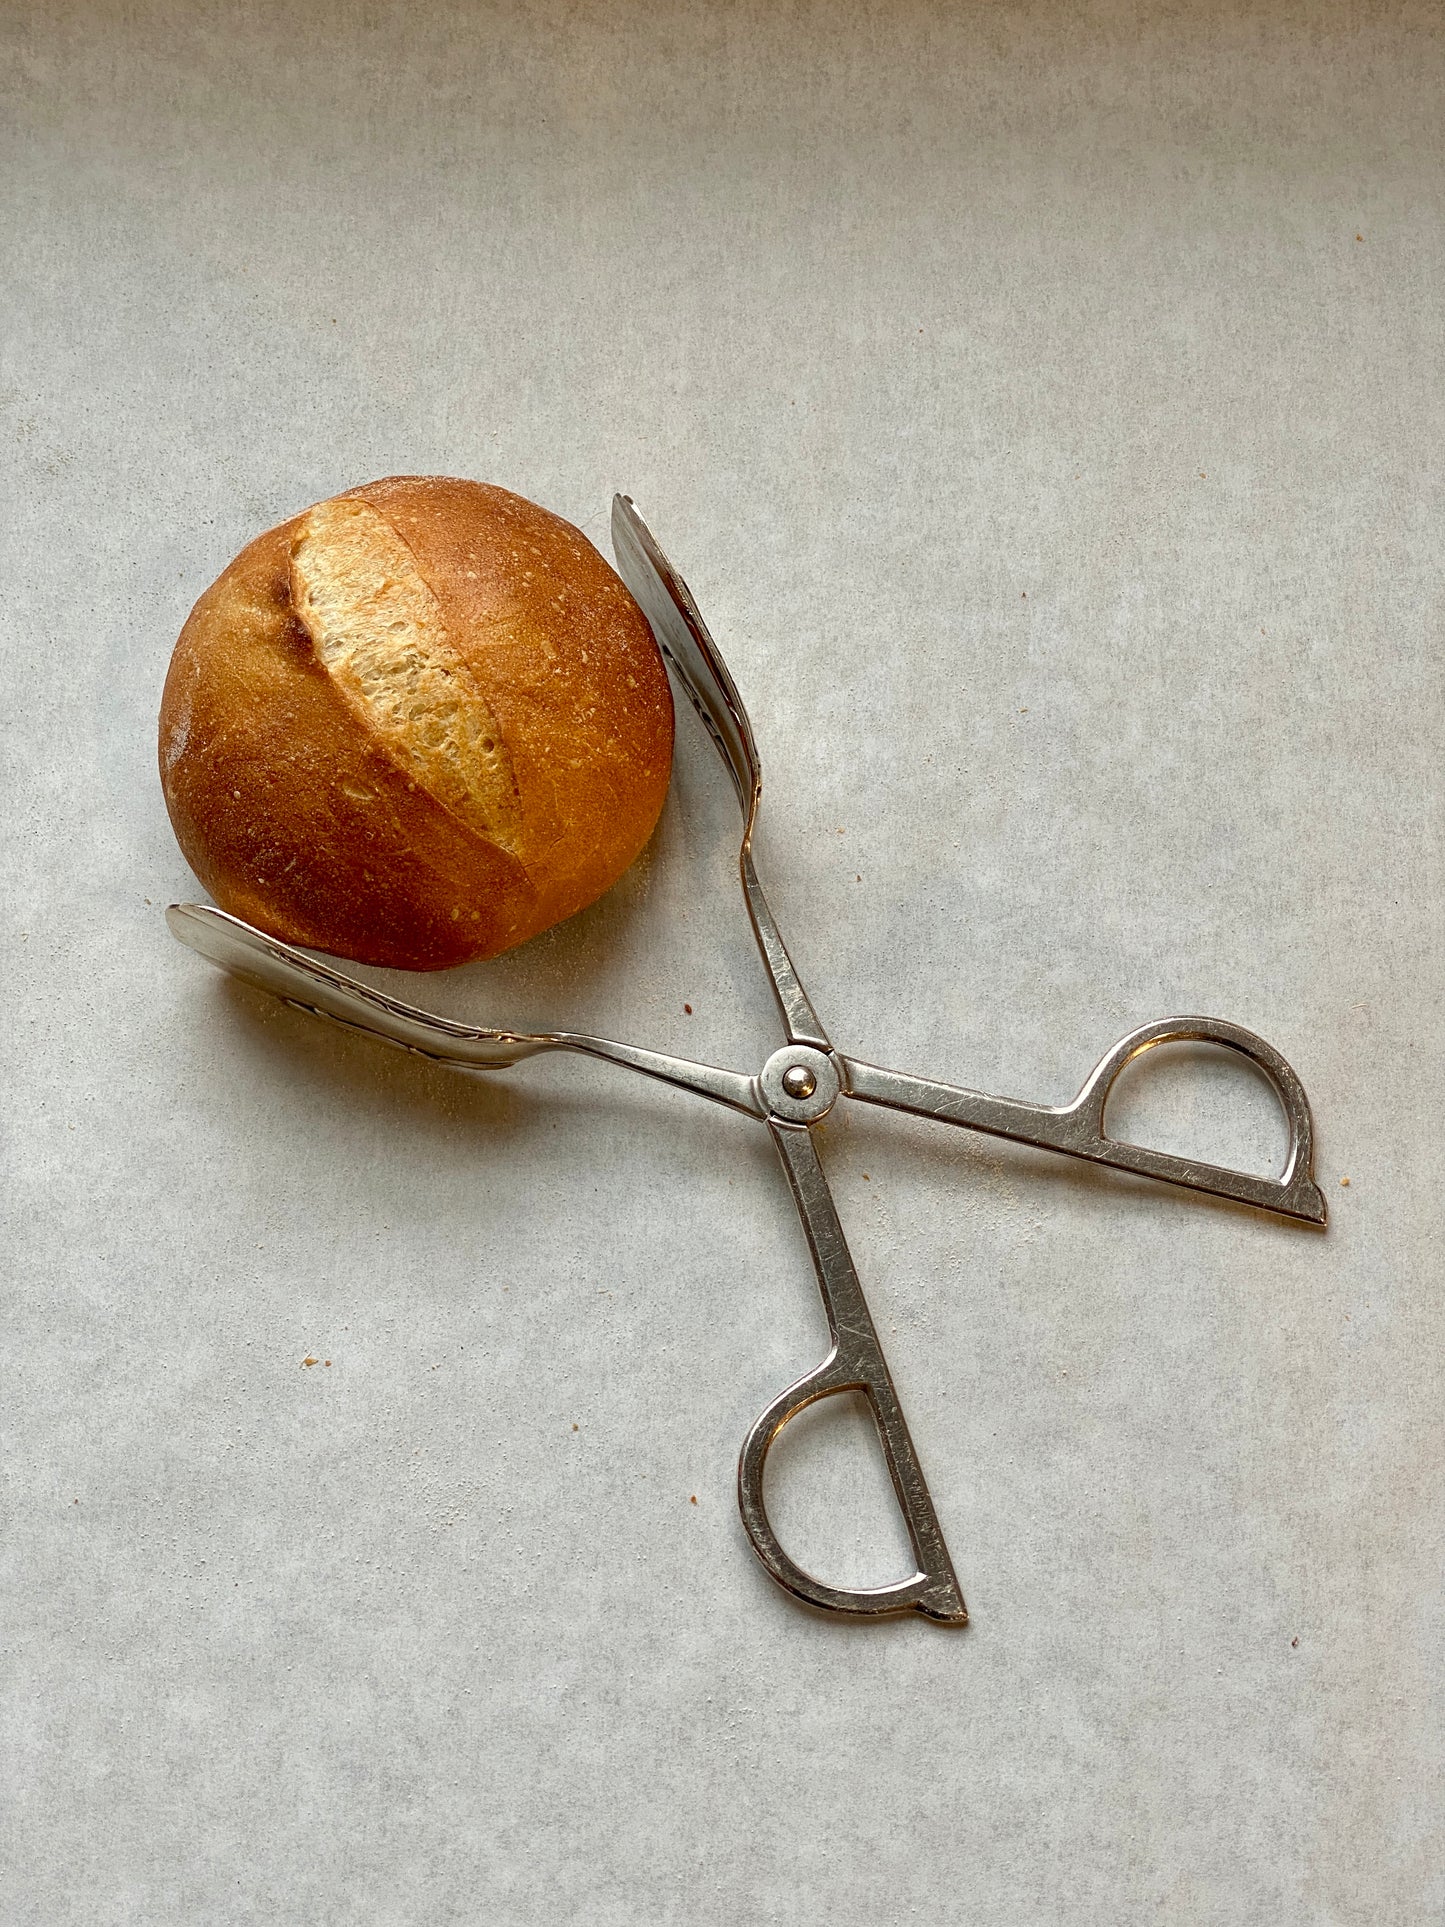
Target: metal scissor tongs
[794,1090]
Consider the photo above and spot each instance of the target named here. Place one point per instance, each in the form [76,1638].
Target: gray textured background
[1045,405]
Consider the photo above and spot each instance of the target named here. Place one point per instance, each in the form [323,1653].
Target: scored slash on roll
[795,1089]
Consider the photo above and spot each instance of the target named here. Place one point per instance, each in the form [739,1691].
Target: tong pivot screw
[799,1084]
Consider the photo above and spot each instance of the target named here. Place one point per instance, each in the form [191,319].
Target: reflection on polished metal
[795,1089]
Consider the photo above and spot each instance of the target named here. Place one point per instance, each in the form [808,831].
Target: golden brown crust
[299,817]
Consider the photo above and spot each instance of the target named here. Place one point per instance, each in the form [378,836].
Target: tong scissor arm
[1077,1129]
[855,1363]
[802,1081]
[316,988]
[682,635]
[799,1085]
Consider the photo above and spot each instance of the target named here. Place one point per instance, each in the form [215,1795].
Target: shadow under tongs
[359,1072]
[320,1062]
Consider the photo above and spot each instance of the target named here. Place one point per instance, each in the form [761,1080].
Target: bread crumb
[574,1428]
[1345,1182]
[310,1361]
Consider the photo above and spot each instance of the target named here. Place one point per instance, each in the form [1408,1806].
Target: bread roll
[414,726]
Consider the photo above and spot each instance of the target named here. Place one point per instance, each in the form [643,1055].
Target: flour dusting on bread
[378,631]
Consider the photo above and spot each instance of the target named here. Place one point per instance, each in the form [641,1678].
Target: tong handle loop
[854,1364]
[1294,1191]
[933,1593]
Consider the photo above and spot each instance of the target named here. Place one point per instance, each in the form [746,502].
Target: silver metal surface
[855,1363]
[794,1090]
[697,662]
[315,987]
[1077,1129]
[800,1085]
